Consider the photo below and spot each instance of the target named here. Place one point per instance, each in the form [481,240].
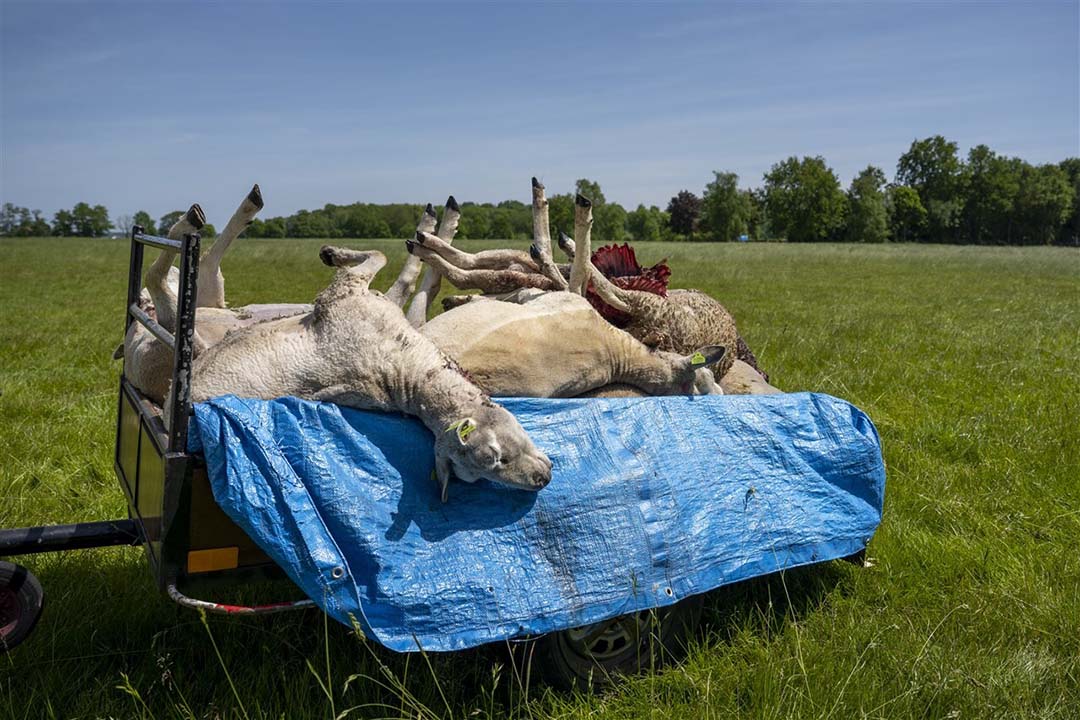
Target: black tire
[595,655]
[21,603]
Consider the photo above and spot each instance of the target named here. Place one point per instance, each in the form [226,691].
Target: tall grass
[966,359]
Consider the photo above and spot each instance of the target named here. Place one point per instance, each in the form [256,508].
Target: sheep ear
[442,476]
[708,355]
[463,428]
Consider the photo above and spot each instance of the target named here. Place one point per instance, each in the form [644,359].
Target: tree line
[937,196]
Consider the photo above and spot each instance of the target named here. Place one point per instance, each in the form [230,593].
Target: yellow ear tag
[463,427]
[697,359]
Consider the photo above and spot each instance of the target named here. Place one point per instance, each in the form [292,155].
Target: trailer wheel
[594,655]
[21,602]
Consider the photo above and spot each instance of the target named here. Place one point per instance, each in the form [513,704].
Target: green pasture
[966,358]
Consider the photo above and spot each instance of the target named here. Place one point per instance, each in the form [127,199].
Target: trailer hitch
[79,536]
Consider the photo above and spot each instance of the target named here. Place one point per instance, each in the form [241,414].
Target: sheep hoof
[255,197]
[195,216]
[410,246]
[327,254]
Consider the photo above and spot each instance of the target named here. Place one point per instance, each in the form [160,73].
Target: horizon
[379,104]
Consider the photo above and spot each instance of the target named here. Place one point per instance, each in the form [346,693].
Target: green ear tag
[463,427]
[697,359]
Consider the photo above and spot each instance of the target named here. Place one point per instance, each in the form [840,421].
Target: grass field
[966,359]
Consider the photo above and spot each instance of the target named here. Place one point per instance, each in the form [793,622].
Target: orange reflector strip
[200,561]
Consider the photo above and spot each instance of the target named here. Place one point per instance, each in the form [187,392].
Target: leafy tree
[63,224]
[867,219]
[364,221]
[520,219]
[379,229]
[933,168]
[684,209]
[645,223]
[991,189]
[305,224]
[635,221]
[502,227]
[38,226]
[99,223]
[1070,230]
[87,221]
[207,231]
[83,216]
[274,228]
[561,214]
[9,219]
[400,218]
[475,221]
[758,223]
[25,222]
[907,216]
[20,221]
[143,220]
[943,220]
[804,200]
[609,223]
[1043,204]
[725,210]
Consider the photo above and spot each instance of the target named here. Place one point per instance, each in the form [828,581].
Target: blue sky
[154,105]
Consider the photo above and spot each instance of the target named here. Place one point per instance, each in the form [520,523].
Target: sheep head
[490,444]
[694,370]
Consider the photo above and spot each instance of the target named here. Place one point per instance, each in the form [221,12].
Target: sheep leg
[499,259]
[489,281]
[583,220]
[503,259]
[449,253]
[211,281]
[566,244]
[610,293]
[403,286]
[429,286]
[516,297]
[360,266]
[156,279]
[541,248]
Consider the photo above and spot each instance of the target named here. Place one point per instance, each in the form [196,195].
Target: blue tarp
[651,500]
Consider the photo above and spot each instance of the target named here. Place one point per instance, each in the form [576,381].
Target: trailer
[190,543]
